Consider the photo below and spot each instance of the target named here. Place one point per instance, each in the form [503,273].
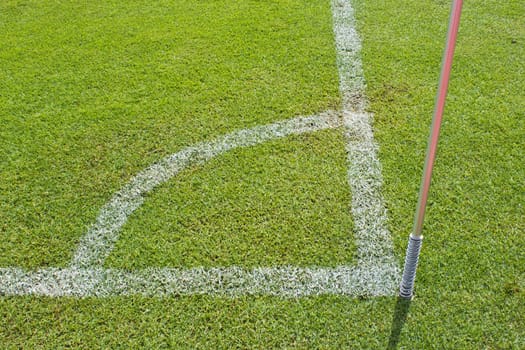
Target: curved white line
[97,243]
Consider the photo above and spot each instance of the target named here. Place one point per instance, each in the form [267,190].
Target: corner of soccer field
[202,175]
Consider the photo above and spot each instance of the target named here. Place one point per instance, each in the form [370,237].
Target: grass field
[92,93]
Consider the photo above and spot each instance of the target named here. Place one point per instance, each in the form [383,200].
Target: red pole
[438,115]
[416,239]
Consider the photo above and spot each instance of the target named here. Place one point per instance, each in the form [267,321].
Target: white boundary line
[374,244]
[348,47]
[376,272]
[287,281]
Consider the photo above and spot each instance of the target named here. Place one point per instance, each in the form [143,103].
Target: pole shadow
[398,321]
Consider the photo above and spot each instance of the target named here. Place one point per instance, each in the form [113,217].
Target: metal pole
[416,239]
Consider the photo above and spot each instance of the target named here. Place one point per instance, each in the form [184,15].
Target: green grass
[91,94]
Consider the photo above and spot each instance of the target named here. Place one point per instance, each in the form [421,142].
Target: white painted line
[374,244]
[348,46]
[284,282]
[376,273]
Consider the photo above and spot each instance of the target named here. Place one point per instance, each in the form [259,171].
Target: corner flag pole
[416,239]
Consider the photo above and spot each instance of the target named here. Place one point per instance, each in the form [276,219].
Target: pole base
[406,289]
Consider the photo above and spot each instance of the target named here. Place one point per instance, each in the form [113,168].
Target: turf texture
[92,93]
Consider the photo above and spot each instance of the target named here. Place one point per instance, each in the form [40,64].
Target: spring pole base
[406,289]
